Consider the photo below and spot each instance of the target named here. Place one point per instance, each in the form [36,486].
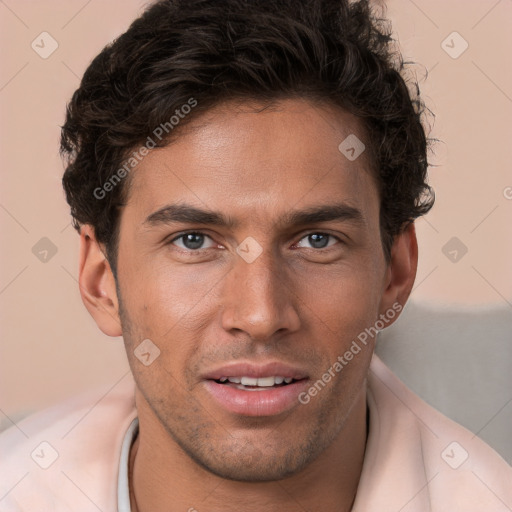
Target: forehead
[259,160]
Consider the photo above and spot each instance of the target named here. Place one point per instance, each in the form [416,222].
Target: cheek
[161,294]
[172,308]
[345,300]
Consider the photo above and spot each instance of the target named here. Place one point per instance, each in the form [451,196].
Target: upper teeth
[252,381]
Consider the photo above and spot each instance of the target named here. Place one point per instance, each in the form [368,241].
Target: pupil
[318,241]
[193,240]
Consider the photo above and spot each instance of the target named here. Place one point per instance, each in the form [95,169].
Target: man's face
[288,311]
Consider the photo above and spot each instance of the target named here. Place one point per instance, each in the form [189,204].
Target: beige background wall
[50,347]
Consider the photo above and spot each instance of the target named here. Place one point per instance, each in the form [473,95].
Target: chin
[248,462]
[265,469]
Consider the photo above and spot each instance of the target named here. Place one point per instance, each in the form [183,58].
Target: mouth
[247,389]
[257,384]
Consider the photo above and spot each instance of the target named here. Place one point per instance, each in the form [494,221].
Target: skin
[296,303]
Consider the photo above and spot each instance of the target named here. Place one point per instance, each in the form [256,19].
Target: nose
[259,299]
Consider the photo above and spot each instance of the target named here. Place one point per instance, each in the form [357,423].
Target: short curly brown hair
[335,51]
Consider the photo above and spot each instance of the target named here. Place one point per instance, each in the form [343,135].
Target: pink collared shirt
[68,458]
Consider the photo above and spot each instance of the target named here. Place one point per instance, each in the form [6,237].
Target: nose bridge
[257,298]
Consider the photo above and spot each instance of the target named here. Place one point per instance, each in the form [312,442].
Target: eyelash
[185,233]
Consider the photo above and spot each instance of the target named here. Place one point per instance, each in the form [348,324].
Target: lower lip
[268,402]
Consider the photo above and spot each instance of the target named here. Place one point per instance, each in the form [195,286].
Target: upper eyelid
[183,233]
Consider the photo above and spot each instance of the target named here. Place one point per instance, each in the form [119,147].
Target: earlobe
[401,271]
[97,284]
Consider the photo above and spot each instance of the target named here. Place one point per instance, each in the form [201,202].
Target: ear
[97,284]
[401,271]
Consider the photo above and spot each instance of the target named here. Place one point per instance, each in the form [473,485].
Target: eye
[317,240]
[192,241]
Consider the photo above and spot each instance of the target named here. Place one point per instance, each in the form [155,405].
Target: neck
[162,476]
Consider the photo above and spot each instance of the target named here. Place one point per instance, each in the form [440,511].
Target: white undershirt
[123,489]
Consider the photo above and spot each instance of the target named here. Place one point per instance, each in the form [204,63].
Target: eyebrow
[187,214]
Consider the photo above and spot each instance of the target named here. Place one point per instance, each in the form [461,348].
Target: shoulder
[428,458]
[67,457]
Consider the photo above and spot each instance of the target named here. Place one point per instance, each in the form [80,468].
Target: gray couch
[459,360]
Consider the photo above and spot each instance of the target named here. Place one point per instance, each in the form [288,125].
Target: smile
[250,388]
[255,384]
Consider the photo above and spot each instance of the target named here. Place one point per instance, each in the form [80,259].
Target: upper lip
[247,369]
